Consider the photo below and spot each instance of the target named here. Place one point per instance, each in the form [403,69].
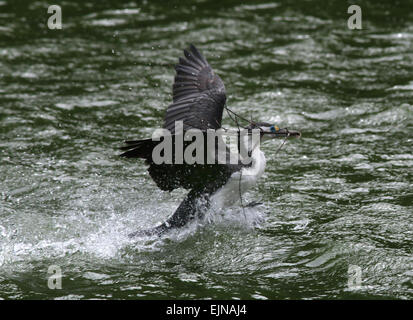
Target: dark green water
[340,196]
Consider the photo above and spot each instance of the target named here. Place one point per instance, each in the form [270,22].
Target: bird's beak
[284,133]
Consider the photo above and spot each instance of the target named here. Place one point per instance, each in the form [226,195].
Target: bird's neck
[254,150]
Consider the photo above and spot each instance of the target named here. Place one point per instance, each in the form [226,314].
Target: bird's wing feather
[198,94]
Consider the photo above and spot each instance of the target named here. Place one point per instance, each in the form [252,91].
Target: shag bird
[199,100]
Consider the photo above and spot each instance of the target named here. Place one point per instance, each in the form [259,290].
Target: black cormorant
[198,102]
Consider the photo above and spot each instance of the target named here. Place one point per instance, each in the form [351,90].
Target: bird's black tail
[139,149]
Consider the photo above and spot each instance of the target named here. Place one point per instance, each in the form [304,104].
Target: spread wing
[198,94]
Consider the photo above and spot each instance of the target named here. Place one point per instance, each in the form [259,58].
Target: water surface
[340,196]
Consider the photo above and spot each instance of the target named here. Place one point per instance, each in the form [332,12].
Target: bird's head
[270,131]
